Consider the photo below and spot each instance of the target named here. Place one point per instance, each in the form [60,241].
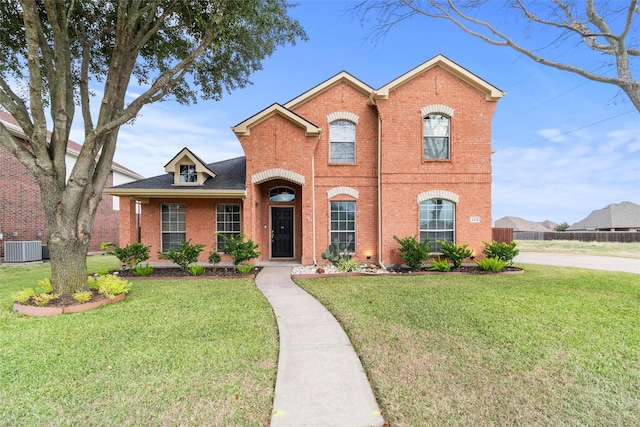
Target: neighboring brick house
[21,212]
[342,160]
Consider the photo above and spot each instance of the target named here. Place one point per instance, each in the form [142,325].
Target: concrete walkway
[629,265]
[320,380]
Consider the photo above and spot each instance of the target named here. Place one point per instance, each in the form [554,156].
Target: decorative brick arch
[438,194]
[333,192]
[278,173]
[343,115]
[436,108]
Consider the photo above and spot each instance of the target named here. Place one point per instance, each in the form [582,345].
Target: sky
[564,145]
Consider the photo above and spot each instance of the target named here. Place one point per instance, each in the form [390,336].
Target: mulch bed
[174,272]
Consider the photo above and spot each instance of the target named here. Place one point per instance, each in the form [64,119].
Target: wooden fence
[502,235]
[585,236]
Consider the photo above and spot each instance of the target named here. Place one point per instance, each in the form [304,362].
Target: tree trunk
[68,265]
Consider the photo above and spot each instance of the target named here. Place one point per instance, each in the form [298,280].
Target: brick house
[342,160]
[22,215]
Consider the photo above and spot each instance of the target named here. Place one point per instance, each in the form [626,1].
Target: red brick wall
[21,208]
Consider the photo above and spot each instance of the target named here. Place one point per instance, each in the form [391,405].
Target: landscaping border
[33,310]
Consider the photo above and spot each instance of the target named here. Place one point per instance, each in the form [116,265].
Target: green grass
[175,352]
[554,346]
[614,249]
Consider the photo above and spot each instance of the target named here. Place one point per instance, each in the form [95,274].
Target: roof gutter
[142,194]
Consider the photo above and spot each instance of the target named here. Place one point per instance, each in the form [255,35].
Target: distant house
[519,224]
[623,216]
[342,161]
[22,215]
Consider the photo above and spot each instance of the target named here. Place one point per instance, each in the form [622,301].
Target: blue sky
[564,145]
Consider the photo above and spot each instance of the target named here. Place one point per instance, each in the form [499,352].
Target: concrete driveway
[628,265]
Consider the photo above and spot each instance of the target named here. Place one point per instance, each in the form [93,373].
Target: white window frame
[435,131]
[189,175]
[173,225]
[340,158]
[437,227]
[227,226]
[339,227]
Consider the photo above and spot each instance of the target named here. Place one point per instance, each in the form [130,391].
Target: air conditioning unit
[23,251]
[45,252]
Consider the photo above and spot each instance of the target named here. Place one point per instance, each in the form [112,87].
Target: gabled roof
[519,224]
[492,93]
[615,215]
[229,181]
[243,128]
[341,77]
[73,148]
[201,166]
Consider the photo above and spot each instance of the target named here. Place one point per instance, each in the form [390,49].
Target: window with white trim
[188,173]
[437,221]
[436,137]
[343,142]
[343,224]
[227,222]
[173,225]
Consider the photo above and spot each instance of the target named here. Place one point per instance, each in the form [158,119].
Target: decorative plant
[440,265]
[196,270]
[335,253]
[491,264]
[110,285]
[140,270]
[456,253]
[346,265]
[82,296]
[244,268]
[183,255]
[239,249]
[414,252]
[503,251]
[214,258]
[23,296]
[131,255]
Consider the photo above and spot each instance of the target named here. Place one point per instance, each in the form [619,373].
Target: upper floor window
[282,194]
[188,173]
[436,137]
[343,142]
[437,221]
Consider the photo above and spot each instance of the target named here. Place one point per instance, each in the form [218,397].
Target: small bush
[456,253]
[131,255]
[196,270]
[335,253]
[440,265]
[214,258]
[44,287]
[503,251]
[145,270]
[103,272]
[183,255]
[413,252]
[347,265]
[23,296]
[239,249]
[111,285]
[82,296]
[43,299]
[244,268]
[491,264]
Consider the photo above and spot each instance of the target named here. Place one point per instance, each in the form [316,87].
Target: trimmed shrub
[239,249]
[183,255]
[131,255]
[413,252]
[456,253]
[503,251]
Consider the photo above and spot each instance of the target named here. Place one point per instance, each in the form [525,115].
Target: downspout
[380,191]
[313,205]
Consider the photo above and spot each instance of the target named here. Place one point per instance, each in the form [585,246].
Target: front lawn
[554,346]
[175,352]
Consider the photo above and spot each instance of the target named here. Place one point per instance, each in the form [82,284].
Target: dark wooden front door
[282,232]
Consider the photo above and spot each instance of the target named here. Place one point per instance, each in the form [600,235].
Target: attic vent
[23,251]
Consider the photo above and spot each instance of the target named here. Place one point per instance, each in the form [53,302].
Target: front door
[282,232]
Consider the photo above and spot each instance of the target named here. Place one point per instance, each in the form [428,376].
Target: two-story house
[341,161]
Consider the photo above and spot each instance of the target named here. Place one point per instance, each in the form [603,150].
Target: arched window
[436,137]
[437,221]
[282,194]
[343,142]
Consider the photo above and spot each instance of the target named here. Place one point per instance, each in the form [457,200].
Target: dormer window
[188,173]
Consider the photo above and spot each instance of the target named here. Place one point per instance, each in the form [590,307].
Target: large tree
[57,55]
[605,30]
